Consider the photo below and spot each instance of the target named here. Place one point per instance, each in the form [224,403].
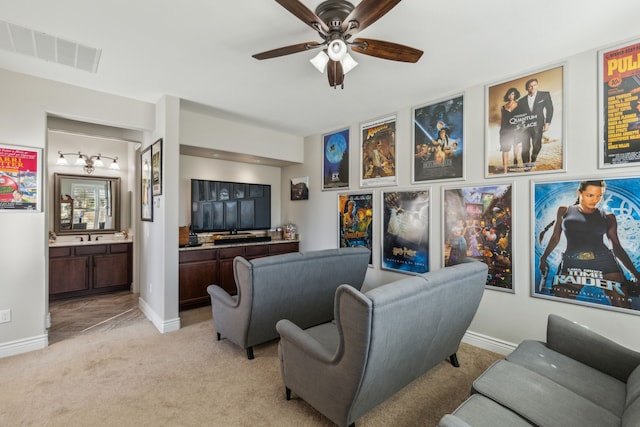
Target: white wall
[198,128]
[503,319]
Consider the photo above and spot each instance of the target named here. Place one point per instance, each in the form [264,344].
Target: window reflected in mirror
[86,204]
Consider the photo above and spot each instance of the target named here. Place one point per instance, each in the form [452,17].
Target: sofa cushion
[479,411]
[631,417]
[594,385]
[539,399]
[633,387]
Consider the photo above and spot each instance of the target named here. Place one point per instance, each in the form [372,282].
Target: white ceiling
[201,51]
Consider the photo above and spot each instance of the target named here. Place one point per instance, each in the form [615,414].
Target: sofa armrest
[220,295]
[592,349]
[299,341]
[452,421]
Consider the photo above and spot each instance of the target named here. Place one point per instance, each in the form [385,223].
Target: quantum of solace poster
[587,242]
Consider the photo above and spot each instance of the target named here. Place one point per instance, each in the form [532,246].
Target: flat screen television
[218,206]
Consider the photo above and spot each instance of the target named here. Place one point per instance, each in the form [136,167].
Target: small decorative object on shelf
[289,231]
[52,237]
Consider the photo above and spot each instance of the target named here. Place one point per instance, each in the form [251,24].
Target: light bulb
[337,49]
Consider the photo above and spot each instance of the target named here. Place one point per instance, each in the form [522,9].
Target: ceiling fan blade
[335,73]
[366,13]
[287,50]
[304,14]
[386,50]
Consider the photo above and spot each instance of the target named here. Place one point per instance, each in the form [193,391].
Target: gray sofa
[297,286]
[381,340]
[577,378]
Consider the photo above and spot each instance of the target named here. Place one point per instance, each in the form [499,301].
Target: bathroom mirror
[86,204]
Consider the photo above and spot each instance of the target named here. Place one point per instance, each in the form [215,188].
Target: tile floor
[87,315]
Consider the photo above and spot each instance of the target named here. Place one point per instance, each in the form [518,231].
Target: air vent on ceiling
[18,39]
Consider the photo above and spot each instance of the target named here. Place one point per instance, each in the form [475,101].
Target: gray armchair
[380,341]
[296,286]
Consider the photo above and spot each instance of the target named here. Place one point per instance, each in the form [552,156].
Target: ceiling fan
[336,21]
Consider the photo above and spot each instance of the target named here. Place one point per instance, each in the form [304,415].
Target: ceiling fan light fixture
[348,63]
[320,61]
[337,49]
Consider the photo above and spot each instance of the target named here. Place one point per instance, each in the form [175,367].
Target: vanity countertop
[102,240]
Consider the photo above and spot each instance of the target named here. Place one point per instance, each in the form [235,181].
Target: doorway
[86,314]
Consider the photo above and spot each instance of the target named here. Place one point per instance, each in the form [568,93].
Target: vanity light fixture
[90,163]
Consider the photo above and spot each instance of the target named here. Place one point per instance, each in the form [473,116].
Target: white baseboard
[488,343]
[13,348]
[163,326]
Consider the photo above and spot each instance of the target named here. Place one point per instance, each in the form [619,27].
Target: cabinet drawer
[119,248]
[195,255]
[231,252]
[283,248]
[59,252]
[256,251]
[91,249]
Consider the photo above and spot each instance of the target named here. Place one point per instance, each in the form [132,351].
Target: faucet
[88,237]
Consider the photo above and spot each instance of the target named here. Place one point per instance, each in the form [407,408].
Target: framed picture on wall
[156,167]
[438,140]
[378,152]
[525,124]
[355,221]
[300,188]
[146,190]
[478,224]
[585,242]
[405,230]
[335,160]
[20,178]
[619,101]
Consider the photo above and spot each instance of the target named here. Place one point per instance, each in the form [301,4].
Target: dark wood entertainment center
[205,265]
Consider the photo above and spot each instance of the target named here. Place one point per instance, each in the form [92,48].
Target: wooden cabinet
[91,269]
[200,268]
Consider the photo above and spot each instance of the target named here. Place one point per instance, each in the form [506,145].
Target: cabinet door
[194,278]
[111,270]
[227,281]
[68,274]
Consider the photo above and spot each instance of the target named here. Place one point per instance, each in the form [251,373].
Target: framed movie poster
[525,124]
[619,80]
[156,163]
[146,190]
[378,152]
[438,141]
[405,230]
[586,245]
[20,176]
[355,220]
[478,224]
[300,188]
[335,164]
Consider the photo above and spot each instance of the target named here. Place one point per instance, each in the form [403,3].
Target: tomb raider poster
[587,242]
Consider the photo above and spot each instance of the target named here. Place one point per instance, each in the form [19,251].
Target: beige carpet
[135,376]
